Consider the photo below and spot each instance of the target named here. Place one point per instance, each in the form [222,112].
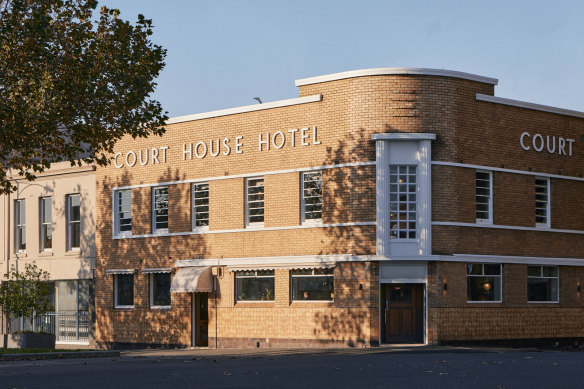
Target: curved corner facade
[381,206]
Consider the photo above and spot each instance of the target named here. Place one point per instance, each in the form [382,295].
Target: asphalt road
[340,369]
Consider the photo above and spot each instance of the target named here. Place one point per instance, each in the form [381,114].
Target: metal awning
[192,279]
[120,271]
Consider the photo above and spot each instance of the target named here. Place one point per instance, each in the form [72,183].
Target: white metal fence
[67,326]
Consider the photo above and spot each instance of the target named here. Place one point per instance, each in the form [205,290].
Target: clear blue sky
[221,54]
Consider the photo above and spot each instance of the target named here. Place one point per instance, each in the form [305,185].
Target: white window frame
[70,222]
[194,207]
[43,223]
[154,229]
[249,224]
[490,200]
[117,212]
[487,275]
[303,199]
[557,299]
[151,281]
[547,224]
[19,224]
[407,202]
[116,291]
[238,275]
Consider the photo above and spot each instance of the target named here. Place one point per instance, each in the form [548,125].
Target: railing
[67,326]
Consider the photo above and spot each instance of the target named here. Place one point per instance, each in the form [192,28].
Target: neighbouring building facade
[51,222]
[380,206]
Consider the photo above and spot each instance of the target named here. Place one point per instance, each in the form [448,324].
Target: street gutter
[57,355]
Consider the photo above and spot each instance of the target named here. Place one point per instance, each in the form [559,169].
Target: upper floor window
[312,284]
[123,211]
[201,206]
[20,224]
[542,202]
[542,284]
[403,204]
[255,202]
[484,197]
[160,209]
[46,223]
[73,222]
[484,282]
[312,197]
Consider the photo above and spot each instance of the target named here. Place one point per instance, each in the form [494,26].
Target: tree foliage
[72,84]
[26,293]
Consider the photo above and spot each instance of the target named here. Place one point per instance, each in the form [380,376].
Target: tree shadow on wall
[349,197]
[141,325]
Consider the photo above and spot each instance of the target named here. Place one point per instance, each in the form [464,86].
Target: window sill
[316,222]
[542,226]
[124,307]
[484,221]
[161,307]
[76,253]
[123,235]
[543,302]
[160,231]
[45,254]
[484,302]
[199,230]
[255,226]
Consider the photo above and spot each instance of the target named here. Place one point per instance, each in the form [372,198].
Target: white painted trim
[120,271]
[156,270]
[246,175]
[403,136]
[474,258]
[403,281]
[73,342]
[489,220]
[503,227]
[497,169]
[395,71]
[250,228]
[527,105]
[246,108]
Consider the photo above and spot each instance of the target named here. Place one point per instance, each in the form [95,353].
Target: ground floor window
[312,284]
[257,285]
[483,282]
[160,290]
[542,284]
[124,290]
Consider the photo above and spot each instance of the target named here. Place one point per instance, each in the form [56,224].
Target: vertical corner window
[20,225]
[46,223]
[124,290]
[256,285]
[160,209]
[403,203]
[255,202]
[160,290]
[312,197]
[73,222]
[483,281]
[484,197]
[542,202]
[312,284]
[542,284]
[201,206]
[123,212]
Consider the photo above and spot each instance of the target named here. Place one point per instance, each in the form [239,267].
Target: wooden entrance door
[201,319]
[403,313]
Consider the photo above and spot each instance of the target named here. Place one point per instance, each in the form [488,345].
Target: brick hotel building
[380,206]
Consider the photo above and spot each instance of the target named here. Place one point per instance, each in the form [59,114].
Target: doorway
[402,313]
[200,319]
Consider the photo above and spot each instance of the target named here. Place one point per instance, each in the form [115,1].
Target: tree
[25,294]
[72,85]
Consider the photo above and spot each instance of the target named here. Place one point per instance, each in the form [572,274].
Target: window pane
[402,197]
[125,289]
[66,296]
[255,200]
[201,204]
[254,288]
[491,269]
[75,230]
[125,210]
[474,268]
[308,288]
[483,195]
[74,205]
[400,293]
[534,271]
[160,208]
[312,198]
[161,289]
[542,289]
[483,288]
[84,295]
[47,209]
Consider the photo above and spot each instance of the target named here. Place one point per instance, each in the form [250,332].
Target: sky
[222,54]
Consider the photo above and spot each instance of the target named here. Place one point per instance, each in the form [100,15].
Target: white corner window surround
[403,181]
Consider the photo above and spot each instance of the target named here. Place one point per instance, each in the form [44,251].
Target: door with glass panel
[402,313]
[201,319]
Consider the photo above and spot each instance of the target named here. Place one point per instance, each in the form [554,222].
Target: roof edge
[395,71]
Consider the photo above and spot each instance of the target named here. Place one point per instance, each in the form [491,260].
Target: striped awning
[192,280]
[120,271]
